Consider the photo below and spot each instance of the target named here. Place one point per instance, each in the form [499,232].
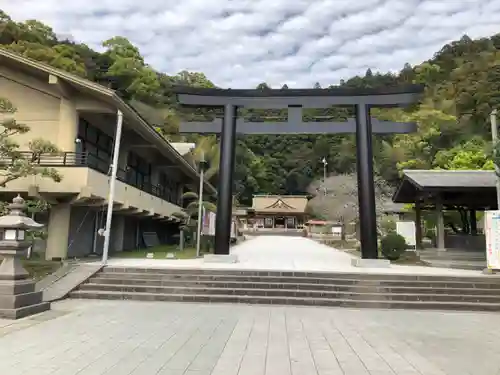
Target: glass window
[103,155]
[104,142]
[90,148]
[91,135]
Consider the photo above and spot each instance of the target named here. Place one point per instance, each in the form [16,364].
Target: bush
[387,225]
[393,246]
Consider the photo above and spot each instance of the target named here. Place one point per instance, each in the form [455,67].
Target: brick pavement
[142,338]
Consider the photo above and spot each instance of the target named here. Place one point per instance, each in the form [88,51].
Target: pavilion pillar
[366,189]
[226,168]
[473,222]
[439,224]
[418,224]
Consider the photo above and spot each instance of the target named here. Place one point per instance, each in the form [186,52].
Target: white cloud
[240,43]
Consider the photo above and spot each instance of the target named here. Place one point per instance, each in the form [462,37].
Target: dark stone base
[22,312]
[19,299]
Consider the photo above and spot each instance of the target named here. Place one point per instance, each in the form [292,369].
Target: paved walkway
[146,338]
[289,254]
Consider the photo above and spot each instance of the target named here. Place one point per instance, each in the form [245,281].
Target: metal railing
[84,159]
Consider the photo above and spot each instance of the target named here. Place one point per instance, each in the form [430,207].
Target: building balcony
[85,179]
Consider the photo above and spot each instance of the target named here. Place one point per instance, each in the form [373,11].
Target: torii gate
[295,100]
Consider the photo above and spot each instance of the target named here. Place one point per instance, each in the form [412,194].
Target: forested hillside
[462,87]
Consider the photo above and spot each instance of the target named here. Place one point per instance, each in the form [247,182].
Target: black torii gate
[295,100]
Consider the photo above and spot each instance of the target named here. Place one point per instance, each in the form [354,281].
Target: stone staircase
[481,293]
[454,258]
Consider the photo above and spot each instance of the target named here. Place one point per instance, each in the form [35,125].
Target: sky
[241,43]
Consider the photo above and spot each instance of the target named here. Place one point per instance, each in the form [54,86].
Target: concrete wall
[130,236]
[81,231]
[37,105]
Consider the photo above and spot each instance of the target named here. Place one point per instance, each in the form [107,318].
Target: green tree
[131,76]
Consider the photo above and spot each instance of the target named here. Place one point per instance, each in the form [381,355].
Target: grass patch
[38,267]
[159,252]
[339,244]
[409,258]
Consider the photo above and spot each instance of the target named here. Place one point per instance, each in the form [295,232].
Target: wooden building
[274,212]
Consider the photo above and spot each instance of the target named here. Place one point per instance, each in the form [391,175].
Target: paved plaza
[146,338]
[289,254]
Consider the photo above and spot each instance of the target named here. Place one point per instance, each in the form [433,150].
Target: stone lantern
[18,297]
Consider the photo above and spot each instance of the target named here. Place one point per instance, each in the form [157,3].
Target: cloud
[241,43]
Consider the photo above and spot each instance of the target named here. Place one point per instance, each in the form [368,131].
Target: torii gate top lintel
[392,96]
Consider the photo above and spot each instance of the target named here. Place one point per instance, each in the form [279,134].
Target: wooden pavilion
[465,191]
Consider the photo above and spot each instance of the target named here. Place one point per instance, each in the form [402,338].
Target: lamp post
[325,163]
[202,165]
[17,289]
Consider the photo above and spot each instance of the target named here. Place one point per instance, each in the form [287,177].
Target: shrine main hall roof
[280,203]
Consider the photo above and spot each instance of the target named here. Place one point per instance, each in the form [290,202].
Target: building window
[97,144]
[170,189]
[139,171]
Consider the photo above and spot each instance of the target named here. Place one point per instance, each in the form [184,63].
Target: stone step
[482,283]
[375,295]
[313,275]
[465,306]
[295,286]
[456,264]
[21,312]
[462,258]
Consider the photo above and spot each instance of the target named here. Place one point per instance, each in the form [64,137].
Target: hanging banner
[492,233]
[211,226]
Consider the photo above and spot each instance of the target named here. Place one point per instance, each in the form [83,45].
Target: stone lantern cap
[16,218]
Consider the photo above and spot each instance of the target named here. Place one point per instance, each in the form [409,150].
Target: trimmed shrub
[392,246]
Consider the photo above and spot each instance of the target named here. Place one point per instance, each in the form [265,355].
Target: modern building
[274,212]
[80,117]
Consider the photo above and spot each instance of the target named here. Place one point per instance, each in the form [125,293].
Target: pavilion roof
[334,91]
[472,188]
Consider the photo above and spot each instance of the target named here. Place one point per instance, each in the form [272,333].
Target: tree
[340,203]
[194,79]
[189,216]
[130,75]
[208,150]
[15,164]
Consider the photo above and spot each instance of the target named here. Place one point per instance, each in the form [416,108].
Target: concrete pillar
[117,233]
[439,224]
[68,126]
[418,225]
[58,231]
